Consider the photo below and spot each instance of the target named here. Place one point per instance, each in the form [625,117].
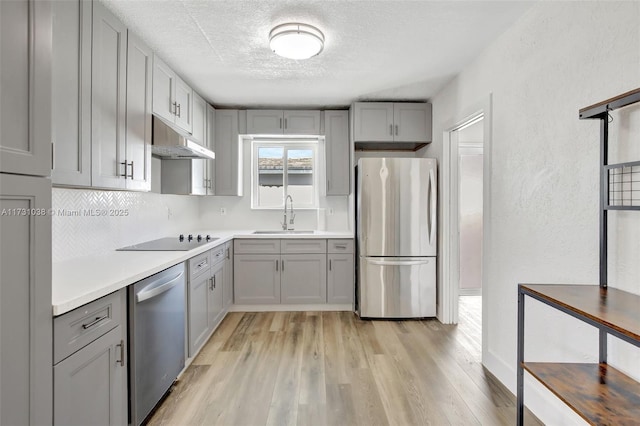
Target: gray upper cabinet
[138,125]
[406,125]
[412,122]
[164,89]
[288,122]
[337,149]
[109,59]
[228,153]
[184,105]
[373,121]
[71,93]
[25,100]
[199,133]
[26,382]
[211,144]
[172,97]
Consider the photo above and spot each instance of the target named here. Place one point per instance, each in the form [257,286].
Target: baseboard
[290,308]
[542,403]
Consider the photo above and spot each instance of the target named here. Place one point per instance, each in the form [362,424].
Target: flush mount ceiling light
[296,41]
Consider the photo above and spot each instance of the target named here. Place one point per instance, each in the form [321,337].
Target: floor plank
[331,368]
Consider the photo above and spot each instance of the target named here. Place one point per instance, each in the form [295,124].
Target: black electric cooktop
[171,244]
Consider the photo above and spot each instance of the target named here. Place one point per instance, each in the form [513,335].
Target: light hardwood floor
[330,368]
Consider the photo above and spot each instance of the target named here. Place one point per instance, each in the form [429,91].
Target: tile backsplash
[88,222]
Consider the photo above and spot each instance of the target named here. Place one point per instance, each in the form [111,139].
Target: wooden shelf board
[616,309]
[599,393]
[628,98]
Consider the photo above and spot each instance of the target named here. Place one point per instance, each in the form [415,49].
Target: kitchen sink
[282,232]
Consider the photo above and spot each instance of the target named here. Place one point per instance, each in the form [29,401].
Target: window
[281,169]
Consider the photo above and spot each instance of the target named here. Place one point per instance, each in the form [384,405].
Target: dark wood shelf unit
[598,393]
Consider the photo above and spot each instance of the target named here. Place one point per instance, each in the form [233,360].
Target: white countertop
[82,280]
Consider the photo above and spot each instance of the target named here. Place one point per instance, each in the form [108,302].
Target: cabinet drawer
[199,264]
[218,255]
[340,246]
[304,246]
[257,246]
[76,329]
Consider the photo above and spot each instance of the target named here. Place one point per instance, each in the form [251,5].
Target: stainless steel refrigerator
[396,233]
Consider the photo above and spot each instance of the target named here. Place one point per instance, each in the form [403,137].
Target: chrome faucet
[285,225]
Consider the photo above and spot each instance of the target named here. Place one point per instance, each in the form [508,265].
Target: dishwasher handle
[154,289]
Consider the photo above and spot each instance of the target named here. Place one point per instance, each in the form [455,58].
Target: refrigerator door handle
[398,262]
[432,207]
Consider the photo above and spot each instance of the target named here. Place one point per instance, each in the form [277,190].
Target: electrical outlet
[330,213]
[223,211]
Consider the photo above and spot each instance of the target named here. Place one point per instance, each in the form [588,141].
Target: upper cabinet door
[301,122]
[265,122]
[211,144]
[412,122]
[228,154]
[109,59]
[138,140]
[373,122]
[25,88]
[336,124]
[71,92]
[199,133]
[184,105]
[164,90]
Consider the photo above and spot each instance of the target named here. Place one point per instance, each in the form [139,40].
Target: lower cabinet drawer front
[76,329]
[340,246]
[256,246]
[199,264]
[292,246]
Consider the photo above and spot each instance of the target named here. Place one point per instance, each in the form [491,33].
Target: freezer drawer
[397,287]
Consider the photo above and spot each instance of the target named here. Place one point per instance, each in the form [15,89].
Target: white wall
[558,58]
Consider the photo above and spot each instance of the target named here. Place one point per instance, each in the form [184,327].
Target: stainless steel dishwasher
[156,338]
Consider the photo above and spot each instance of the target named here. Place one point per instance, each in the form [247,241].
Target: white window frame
[287,145]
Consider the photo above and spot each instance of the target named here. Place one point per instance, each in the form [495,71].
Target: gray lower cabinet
[303,278]
[206,306]
[227,290]
[90,371]
[256,278]
[90,385]
[340,279]
[26,384]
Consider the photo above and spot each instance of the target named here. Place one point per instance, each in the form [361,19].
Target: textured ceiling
[374,49]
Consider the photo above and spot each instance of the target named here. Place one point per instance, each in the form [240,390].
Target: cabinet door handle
[121,360]
[214,281]
[125,169]
[175,108]
[281,123]
[329,264]
[282,265]
[276,265]
[179,110]
[53,156]
[94,322]
[396,130]
[391,129]
[340,246]
[285,123]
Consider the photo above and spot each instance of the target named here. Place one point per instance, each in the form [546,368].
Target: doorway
[466,145]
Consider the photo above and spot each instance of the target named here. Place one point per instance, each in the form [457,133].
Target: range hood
[169,144]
